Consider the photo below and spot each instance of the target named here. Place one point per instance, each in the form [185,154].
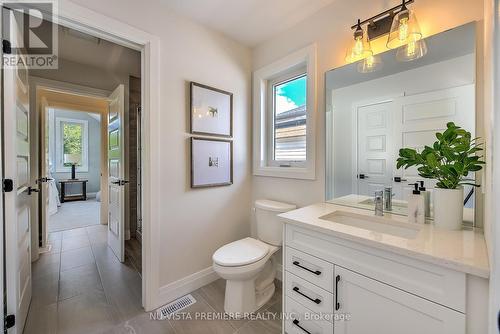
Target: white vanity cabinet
[333,285]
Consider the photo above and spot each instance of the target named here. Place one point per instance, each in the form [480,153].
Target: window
[289,112]
[71,144]
[284,117]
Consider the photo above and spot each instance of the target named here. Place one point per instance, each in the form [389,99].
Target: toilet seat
[241,252]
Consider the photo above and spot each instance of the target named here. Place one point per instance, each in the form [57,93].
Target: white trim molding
[186,285]
[305,57]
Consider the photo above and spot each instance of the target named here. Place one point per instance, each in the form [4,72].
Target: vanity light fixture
[412,51]
[360,48]
[404,33]
[370,64]
[404,29]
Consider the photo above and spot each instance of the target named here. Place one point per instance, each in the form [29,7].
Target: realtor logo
[29,34]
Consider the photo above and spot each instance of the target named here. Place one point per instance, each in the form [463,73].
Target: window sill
[68,170]
[302,173]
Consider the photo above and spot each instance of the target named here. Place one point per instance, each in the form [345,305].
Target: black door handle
[296,323]
[315,272]
[120,182]
[337,304]
[362,176]
[399,179]
[32,190]
[45,179]
[314,300]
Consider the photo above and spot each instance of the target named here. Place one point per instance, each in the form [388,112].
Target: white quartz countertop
[463,251]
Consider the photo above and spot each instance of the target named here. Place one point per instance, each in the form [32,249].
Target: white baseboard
[174,290]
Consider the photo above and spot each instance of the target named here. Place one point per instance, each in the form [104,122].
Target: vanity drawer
[302,321]
[429,281]
[310,268]
[311,296]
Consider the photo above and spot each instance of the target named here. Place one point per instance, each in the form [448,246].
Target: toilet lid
[240,252]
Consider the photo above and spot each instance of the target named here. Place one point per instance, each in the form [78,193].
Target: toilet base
[244,297]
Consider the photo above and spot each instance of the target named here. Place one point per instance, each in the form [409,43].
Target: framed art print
[211,162]
[211,111]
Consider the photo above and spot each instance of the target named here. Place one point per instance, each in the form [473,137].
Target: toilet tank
[269,226]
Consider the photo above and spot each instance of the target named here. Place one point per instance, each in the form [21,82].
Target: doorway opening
[86,149]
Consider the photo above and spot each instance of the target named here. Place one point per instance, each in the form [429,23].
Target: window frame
[297,64]
[59,156]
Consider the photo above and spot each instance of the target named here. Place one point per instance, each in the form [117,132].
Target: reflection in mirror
[370,116]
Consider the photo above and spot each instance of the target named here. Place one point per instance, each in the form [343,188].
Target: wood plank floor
[80,287]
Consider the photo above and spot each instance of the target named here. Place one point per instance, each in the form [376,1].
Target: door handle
[44,179]
[399,179]
[120,182]
[314,300]
[362,176]
[315,272]
[32,190]
[296,323]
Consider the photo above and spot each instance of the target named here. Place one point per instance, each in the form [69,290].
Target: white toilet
[247,264]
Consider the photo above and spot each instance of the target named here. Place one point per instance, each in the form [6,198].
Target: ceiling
[247,21]
[91,51]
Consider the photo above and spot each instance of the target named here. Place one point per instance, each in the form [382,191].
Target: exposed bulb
[358,46]
[403,28]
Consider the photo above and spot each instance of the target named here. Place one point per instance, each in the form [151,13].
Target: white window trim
[60,168]
[305,57]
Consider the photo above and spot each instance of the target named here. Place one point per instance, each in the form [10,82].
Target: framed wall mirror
[370,116]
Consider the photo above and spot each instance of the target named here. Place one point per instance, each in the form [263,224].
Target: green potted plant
[449,161]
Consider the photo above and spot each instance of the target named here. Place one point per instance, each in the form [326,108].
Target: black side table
[78,197]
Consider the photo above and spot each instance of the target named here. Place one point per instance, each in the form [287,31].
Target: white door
[16,157]
[116,173]
[375,307]
[45,176]
[375,148]
[418,117]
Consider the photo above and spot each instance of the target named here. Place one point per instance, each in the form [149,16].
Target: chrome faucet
[388,198]
[379,203]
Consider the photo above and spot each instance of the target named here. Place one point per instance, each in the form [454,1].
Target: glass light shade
[360,48]
[404,30]
[73,159]
[370,64]
[412,51]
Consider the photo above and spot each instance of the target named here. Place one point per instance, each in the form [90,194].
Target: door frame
[37,83]
[85,20]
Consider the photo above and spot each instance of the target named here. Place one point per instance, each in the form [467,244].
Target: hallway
[81,287]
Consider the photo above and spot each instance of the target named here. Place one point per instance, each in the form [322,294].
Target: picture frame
[211,111]
[211,162]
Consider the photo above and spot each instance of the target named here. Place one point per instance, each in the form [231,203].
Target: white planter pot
[449,208]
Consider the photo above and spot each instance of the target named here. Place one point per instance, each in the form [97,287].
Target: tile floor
[80,287]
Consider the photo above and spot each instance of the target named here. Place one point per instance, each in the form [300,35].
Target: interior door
[116,173]
[375,154]
[417,119]
[45,171]
[375,307]
[16,158]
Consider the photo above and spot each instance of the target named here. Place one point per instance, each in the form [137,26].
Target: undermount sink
[374,223]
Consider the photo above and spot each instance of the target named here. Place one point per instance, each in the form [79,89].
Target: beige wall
[330,30]
[194,223]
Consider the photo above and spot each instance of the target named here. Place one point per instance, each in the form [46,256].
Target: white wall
[329,29]
[194,223]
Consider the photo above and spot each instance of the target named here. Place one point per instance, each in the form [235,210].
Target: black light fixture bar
[388,13]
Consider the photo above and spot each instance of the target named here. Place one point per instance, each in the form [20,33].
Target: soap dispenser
[416,206]
[427,198]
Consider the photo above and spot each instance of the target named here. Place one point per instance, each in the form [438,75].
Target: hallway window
[71,144]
